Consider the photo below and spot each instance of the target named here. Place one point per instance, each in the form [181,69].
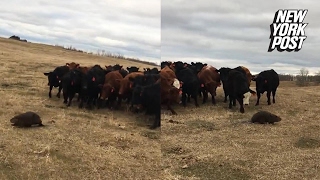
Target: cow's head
[106,91]
[53,79]
[224,72]
[261,83]
[72,65]
[246,98]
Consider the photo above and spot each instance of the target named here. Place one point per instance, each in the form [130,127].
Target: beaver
[26,119]
[264,117]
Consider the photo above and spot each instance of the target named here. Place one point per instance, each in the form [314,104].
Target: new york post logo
[287,30]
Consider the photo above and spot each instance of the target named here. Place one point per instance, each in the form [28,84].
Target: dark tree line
[302,79]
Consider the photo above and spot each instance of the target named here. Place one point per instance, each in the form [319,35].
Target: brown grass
[213,142]
[74,144]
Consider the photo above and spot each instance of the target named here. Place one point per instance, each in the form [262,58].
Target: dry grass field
[209,142]
[74,144]
[213,142]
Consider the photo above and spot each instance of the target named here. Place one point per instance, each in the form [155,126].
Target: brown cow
[111,87]
[169,93]
[126,84]
[169,72]
[210,80]
[248,95]
[72,65]
[248,74]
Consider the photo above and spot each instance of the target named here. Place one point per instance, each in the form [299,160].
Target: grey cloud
[235,32]
[111,25]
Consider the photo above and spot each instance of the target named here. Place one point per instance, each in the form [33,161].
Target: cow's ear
[217,70]
[77,65]
[47,73]
[67,64]
[128,68]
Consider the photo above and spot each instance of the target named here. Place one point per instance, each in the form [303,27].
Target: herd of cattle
[198,79]
[149,89]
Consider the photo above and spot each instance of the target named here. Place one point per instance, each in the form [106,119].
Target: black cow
[117,67]
[132,69]
[95,76]
[235,85]
[197,66]
[190,82]
[146,94]
[267,80]
[123,72]
[165,63]
[151,71]
[75,81]
[54,78]
[224,71]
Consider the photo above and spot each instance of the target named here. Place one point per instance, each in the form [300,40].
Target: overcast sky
[231,33]
[129,27]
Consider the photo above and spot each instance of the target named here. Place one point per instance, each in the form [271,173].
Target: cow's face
[224,74]
[261,83]
[246,98]
[84,82]
[53,79]
[72,65]
[106,91]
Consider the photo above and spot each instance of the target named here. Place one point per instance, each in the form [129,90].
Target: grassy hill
[74,144]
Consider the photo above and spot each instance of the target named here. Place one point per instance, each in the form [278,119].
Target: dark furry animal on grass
[26,119]
[264,117]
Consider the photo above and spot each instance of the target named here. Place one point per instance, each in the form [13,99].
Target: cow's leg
[81,102]
[213,99]
[59,91]
[78,98]
[273,95]
[99,103]
[118,103]
[258,98]
[205,96]
[50,89]
[195,97]
[65,96]
[189,98]
[234,102]
[71,96]
[268,96]
[89,101]
[157,121]
[170,108]
[225,96]
[230,102]
[240,100]
[183,99]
